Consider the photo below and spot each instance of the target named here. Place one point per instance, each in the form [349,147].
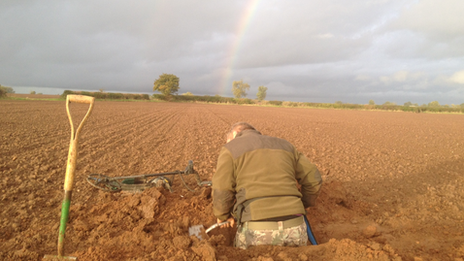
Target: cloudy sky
[302,50]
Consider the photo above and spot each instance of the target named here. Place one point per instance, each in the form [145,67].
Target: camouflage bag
[293,236]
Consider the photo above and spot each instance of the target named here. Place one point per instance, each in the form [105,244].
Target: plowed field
[393,182]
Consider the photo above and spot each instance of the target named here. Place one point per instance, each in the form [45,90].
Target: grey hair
[239,127]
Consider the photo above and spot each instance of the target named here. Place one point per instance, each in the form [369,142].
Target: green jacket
[260,173]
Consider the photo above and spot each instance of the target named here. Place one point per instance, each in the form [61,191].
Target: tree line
[4,90]
[433,104]
[168,84]
[108,95]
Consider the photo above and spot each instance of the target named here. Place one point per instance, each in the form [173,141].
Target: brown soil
[393,182]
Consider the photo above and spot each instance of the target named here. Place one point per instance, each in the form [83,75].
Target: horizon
[32,88]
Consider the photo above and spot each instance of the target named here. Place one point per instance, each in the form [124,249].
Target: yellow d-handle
[72,154]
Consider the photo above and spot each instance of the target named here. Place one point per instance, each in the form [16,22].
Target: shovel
[200,232]
[69,178]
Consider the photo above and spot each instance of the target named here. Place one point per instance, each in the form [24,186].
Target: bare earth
[393,182]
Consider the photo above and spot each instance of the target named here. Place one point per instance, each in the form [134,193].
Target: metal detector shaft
[151,175]
[188,170]
[140,182]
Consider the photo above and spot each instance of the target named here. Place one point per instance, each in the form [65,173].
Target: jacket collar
[248,132]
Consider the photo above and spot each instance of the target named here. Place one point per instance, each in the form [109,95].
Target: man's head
[237,128]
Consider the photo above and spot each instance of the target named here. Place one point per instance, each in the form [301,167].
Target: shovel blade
[197,230]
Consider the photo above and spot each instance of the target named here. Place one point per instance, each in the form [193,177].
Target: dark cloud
[386,50]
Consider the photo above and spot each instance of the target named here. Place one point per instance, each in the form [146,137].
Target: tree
[188,94]
[389,103]
[371,102]
[239,89]
[167,84]
[2,93]
[407,104]
[32,92]
[6,89]
[434,104]
[261,95]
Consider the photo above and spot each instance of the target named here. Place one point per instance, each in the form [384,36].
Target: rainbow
[240,31]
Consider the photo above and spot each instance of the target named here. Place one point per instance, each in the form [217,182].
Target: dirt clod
[182,242]
[370,231]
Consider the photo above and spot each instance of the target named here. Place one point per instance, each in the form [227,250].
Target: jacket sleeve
[224,185]
[309,178]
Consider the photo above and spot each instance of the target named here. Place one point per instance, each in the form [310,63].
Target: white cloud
[458,77]
[428,28]
[442,21]
[362,77]
[327,35]
[400,76]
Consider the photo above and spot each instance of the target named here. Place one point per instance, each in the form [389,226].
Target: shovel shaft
[71,166]
[215,226]
[64,221]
